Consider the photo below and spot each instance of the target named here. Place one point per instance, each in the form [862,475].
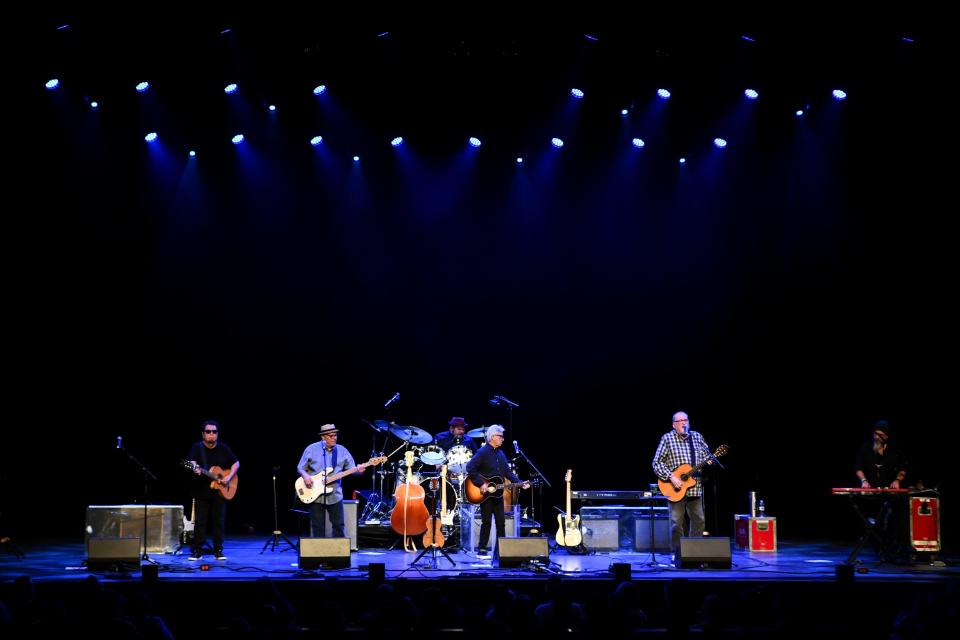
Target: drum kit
[428,458]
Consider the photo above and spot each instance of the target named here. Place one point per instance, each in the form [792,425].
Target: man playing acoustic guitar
[679,447]
[211,489]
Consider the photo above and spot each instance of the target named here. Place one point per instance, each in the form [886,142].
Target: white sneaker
[220,556]
[194,558]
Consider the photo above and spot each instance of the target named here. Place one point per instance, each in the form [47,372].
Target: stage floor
[248,558]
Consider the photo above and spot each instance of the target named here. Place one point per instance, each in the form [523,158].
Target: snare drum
[457,459]
[433,455]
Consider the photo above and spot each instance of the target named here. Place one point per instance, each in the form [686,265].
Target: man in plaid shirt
[677,447]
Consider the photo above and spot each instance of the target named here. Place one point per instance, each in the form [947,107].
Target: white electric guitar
[568,534]
[323,482]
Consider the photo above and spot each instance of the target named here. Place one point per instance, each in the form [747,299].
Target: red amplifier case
[755,534]
[925,523]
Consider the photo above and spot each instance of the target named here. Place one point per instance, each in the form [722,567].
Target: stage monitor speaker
[326,553]
[699,552]
[107,553]
[513,552]
[600,534]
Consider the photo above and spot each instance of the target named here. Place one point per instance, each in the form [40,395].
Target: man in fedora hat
[455,435]
[326,455]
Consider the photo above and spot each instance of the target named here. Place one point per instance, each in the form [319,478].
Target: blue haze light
[316,140]
[237,139]
[94,104]
[192,154]
[151,137]
[663,93]
[356,158]
[272,107]
[230,88]
[52,84]
[638,143]
[839,94]
[751,94]
[519,159]
[719,143]
[799,113]
[396,142]
[577,93]
[319,90]
[557,142]
[474,142]
[142,86]
[624,112]
[683,161]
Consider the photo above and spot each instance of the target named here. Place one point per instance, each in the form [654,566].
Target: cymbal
[479,432]
[416,435]
[381,425]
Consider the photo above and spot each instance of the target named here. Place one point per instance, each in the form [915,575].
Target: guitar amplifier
[349,523]
[600,533]
[470,526]
[164,524]
[652,538]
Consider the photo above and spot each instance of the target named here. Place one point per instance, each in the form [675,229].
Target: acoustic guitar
[215,473]
[495,487]
[685,473]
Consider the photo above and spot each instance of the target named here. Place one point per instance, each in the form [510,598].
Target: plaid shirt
[674,451]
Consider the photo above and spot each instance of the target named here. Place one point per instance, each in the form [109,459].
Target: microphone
[516,447]
[395,397]
[119,442]
[500,400]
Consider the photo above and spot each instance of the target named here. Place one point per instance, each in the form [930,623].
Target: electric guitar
[495,487]
[685,473]
[323,482]
[188,525]
[568,534]
[215,473]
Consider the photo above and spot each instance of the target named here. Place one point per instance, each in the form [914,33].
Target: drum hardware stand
[274,541]
[433,548]
[380,510]
[533,512]
[653,562]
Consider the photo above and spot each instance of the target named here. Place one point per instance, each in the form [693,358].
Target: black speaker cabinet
[513,552]
[660,532]
[698,552]
[107,553]
[326,553]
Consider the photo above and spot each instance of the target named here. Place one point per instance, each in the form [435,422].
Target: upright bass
[409,516]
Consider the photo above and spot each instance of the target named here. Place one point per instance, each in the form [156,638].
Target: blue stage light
[52,84]
[316,140]
[663,93]
[577,93]
[151,137]
[396,142]
[142,86]
[557,142]
[719,143]
[230,88]
[320,89]
[639,143]
[237,139]
[751,94]
[474,142]
[839,94]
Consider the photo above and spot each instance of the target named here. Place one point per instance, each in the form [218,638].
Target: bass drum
[457,459]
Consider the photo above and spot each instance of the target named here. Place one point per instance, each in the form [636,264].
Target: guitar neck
[568,499]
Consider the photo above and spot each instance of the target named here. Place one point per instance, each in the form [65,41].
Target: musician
[488,462]
[210,504]
[682,446]
[333,458]
[879,463]
[455,436]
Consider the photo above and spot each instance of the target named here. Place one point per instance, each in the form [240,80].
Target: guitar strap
[693,452]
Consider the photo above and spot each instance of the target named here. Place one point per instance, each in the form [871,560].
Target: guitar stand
[433,548]
[274,541]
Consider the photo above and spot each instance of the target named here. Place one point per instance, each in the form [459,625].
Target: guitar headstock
[721,450]
[189,464]
[408,458]
[569,476]
[377,460]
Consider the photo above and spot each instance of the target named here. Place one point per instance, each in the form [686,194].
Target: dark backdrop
[786,292]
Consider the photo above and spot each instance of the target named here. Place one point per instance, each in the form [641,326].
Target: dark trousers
[334,511]
[491,507]
[679,511]
[211,516]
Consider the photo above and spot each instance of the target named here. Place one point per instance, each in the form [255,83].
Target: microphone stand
[539,488]
[147,476]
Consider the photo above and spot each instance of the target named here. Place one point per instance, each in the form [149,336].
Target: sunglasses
[209,430]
